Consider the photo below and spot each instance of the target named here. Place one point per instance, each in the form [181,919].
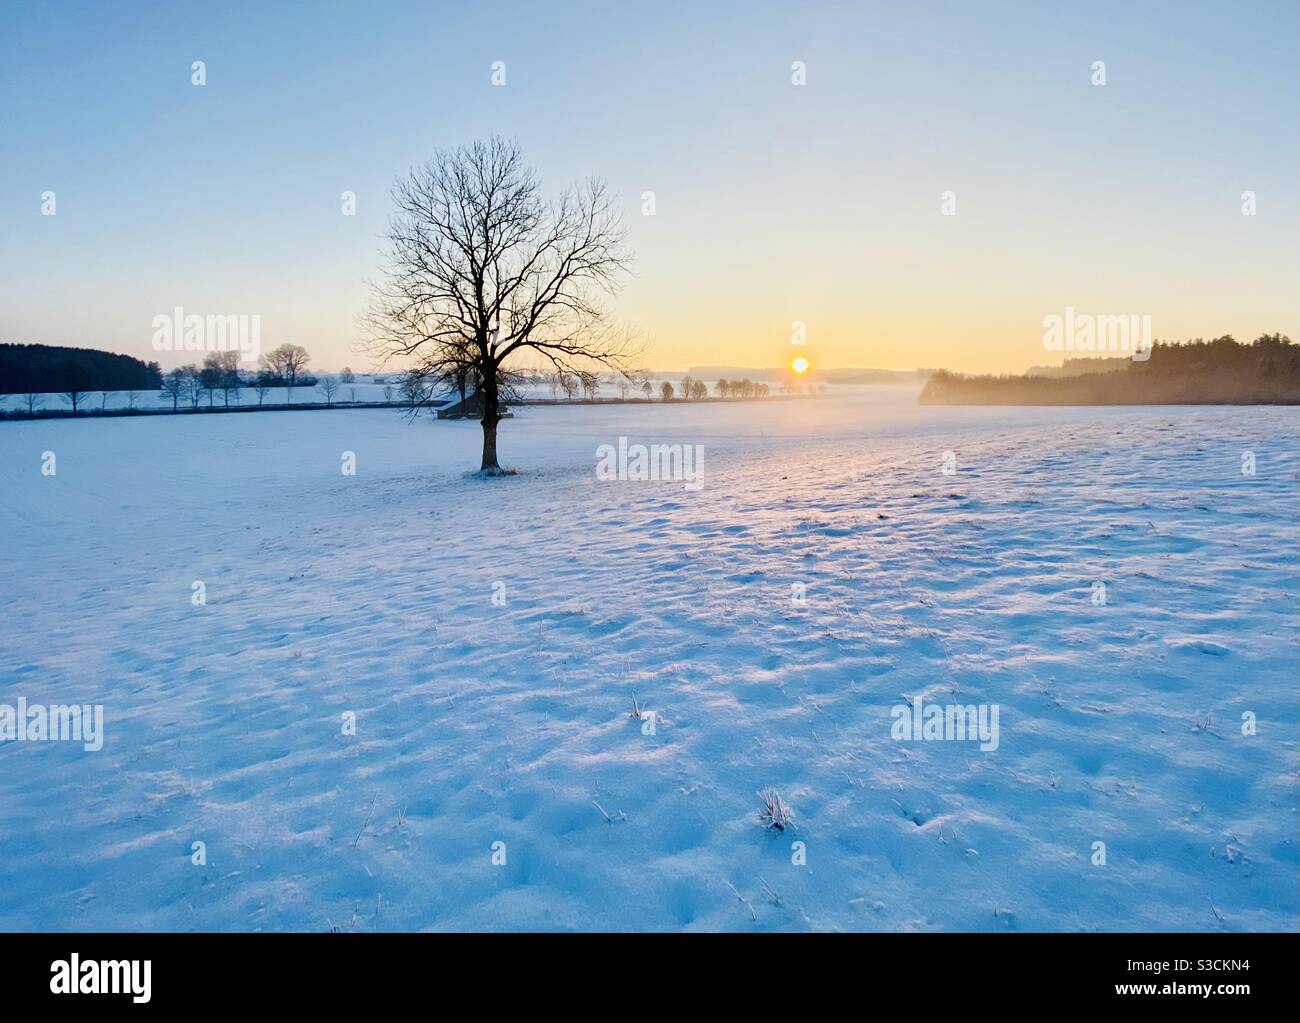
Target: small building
[470,408]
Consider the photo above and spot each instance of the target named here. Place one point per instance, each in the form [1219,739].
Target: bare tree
[209,377]
[462,377]
[73,396]
[647,389]
[103,399]
[415,391]
[173,386]
[287,362]
[193,384]
[31,399]
[666,389]
[481,268]
[328,385]
[262,384]
[222,369]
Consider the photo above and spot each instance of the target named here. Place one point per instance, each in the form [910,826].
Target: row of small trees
[220,377]
[742,389]
[220,373]
[688,390]
[695,390]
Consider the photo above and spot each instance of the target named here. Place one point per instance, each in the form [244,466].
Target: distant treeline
[49,369]
[1079,367]
[1218,372]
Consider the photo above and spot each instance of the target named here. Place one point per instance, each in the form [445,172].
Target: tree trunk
[491,416]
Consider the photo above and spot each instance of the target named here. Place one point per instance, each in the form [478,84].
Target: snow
[478,723]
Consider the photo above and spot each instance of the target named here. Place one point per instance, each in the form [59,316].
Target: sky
[774,203]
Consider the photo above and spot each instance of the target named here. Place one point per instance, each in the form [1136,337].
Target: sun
[800,365]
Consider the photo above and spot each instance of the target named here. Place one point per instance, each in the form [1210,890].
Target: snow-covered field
[481,722]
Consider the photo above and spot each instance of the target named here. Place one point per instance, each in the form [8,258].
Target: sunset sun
[799,365]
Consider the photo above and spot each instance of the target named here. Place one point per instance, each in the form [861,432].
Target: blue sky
[775,203]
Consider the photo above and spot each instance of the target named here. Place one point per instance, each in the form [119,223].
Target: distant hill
[1218,372]
[825,376]
[50,369]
